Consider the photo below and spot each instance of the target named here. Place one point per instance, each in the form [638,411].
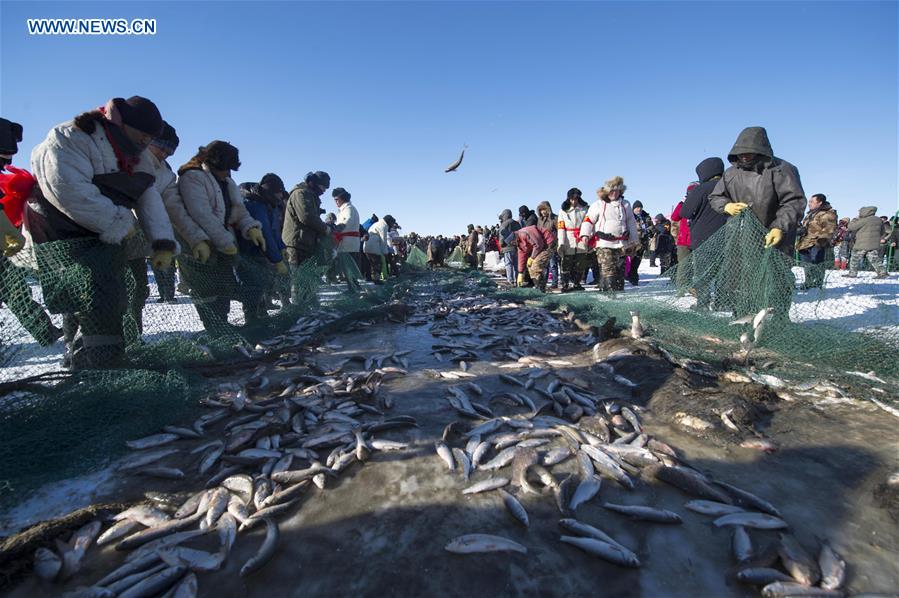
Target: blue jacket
[267,214]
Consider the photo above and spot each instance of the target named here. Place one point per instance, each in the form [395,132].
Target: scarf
[127,154]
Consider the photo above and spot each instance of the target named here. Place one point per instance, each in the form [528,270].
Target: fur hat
[341,193]
[221,155]
[616,182]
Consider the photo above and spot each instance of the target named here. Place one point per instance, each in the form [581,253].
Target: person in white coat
[95,185]
[376,247]
[574,251]
[610,221]
[214,202]
[161,149]
[346,237]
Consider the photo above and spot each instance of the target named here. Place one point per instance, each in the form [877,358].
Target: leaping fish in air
[452,167]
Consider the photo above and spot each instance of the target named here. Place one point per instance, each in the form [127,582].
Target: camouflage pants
[537,269]
[873,257]
[611,265]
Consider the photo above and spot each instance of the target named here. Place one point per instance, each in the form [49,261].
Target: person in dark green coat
[767,185]
[303,226]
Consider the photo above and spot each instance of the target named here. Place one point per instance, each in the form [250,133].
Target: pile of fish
[260,451]
[258,457]
[527,453]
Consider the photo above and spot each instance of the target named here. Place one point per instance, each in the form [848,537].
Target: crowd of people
[102,195]
[610,237]
[101,184]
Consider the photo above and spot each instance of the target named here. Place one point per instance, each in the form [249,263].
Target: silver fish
[486,485]
[833,568]
[785,589]
[463,461]
[76,547]
[582,529]
[555,456]
[445,454]
[501,460]
[46,564]
[151,441]
[476,543]
[751,519]
[515,508]
[387,445]
[761,576]
[190,505]
[586,490]
[748,499]
[614,553]
[266,551]
[797,561]
[712,508]
[117,530]
[227,532]
[123,584]
[644,513]
[145,458]
[155,583]
[191,558]
[741,544]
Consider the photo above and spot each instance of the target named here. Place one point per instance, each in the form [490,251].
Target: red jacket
[683,232]
[532,241]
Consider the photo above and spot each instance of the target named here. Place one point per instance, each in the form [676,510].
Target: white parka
[348,216]
[65,164]
[205,204]
[569,226]
[378,241]
[615,218]
[167,185]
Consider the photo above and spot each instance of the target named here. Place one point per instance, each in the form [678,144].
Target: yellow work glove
[230,250]
[162,259]
[521,280]
[530,261]
[774,237]
[255,235]
[201,252]
[734,208]
[13,241]
[281,268]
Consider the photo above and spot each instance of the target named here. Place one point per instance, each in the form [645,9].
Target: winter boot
[836,264]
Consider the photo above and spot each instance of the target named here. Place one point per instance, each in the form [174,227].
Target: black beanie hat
[272,182]
[342,193]
[10,136]
[638,204]
[221,155]
[574,192]
[523,210]
[141,114]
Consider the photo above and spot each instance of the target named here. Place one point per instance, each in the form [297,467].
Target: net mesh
[816,325]
[114,313]
[82,304]
[417,259]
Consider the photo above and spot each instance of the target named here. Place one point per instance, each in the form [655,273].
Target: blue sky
[547,95]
